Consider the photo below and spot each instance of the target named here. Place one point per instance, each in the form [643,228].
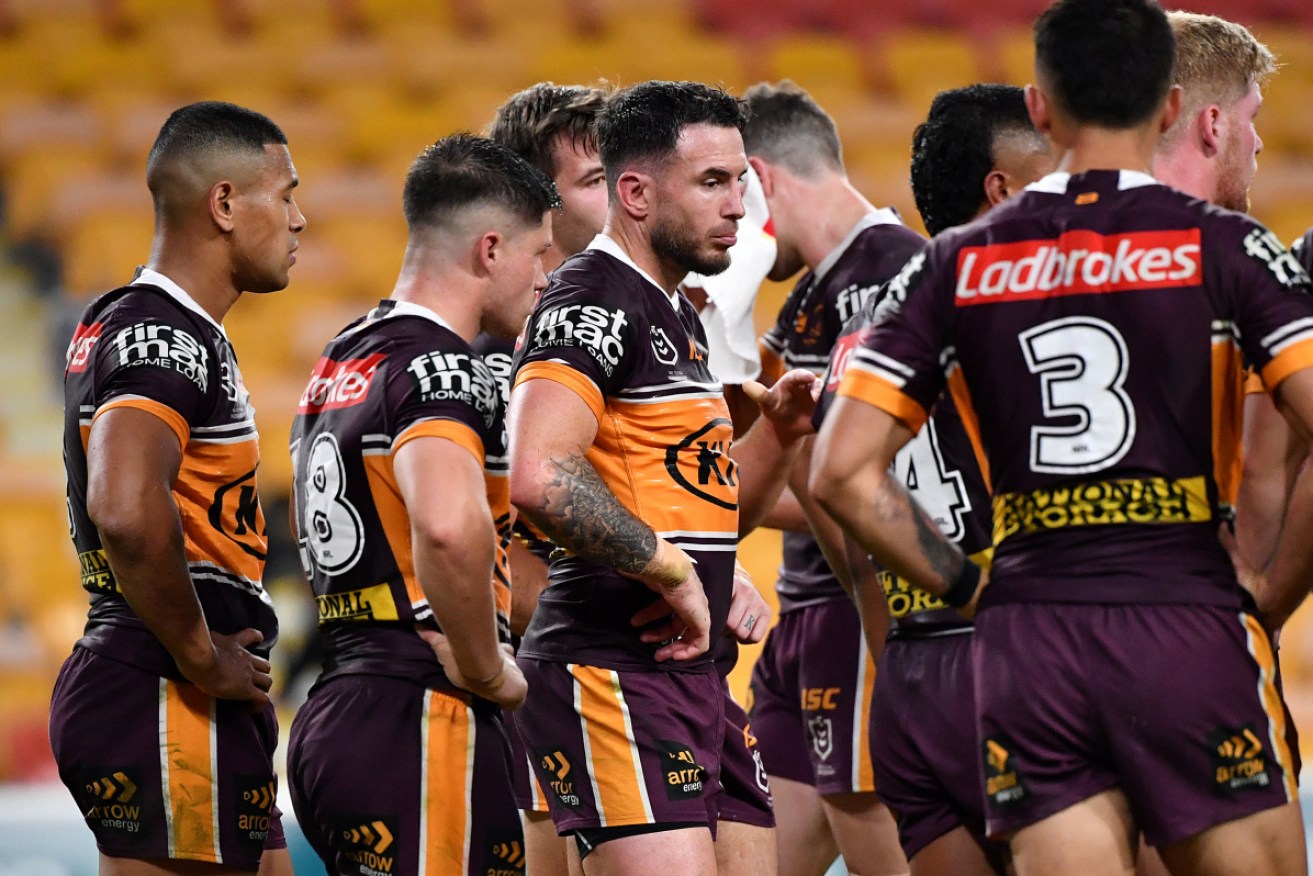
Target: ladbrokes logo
[1078,262]
[80,348]
[842,355]
[1238,760]
[558,773]
[164,346]
[458,377]
[338,384]
[588,326]
[704,455]
[1003,785]
[257,806]
[371,846]
[684,775]
[112,802]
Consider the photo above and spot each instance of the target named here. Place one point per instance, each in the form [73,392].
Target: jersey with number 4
[637,358]
[1091,333]
[398,374]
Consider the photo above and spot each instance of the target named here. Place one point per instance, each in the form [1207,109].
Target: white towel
[732,294]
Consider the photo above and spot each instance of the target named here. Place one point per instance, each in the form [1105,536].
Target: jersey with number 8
[1091,334]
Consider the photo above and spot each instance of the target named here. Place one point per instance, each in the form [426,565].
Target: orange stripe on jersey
[1253,382]
[1227,417]
[567,377]
[187,760]
[174,420]
[1261,649]
[877,392]
[449,429]
[772,366]
[863,768]
[392,515]
[499,502]
[447,753]
[617,773]
[1287,362]
[966,412]
[222,519]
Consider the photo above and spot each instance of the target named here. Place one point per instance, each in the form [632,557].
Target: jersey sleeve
[899,365]
[156,363]
[1272,303]
[443,394]
[583,341]
[774,343]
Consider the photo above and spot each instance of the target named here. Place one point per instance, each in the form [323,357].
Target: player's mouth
[726,240]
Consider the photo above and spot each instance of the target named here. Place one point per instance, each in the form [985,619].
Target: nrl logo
[822,733]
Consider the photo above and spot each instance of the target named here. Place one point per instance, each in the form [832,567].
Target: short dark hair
[209,126]
[953,150]
[1105,62]
[463,170]
[530,121]
[643,122]
[787,126]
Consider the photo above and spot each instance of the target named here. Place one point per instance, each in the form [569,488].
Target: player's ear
[764,174]
[1037,106]
[996,187]
[1208,126]
[1171,108]
[221,197]
[634,192]
[489,251]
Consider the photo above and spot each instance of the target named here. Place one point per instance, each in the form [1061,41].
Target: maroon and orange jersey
[150,346]
[1091,333]
[805,332]
[396,374]
[1303,250]
[940,469]
[637,357]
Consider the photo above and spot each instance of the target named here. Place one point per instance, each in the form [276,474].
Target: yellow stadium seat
[58,124]
[112,192]
[1013,56]
[429,63]
[333,61]
[32,179]
[371,248]
[104,250]
[389,14]
[1283,123]
[921,63]
[821,63]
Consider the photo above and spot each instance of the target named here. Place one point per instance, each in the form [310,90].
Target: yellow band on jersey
[905,598]
[96,574]
[371,603]
[1098,503]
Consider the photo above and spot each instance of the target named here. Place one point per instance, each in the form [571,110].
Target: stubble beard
[672,244]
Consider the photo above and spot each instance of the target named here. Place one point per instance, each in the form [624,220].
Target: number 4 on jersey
[936,488]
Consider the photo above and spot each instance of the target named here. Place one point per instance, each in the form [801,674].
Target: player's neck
[1186,171]
[1092,148]
[209,284]
[831,215]
[443,288]
[639,249]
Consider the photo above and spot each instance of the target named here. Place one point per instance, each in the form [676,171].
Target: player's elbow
[122,516]
[467,522]
[530,476]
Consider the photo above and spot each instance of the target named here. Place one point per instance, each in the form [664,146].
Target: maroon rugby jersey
[637,357]
[1303,250]
[396,374]
[940,469]
[803,336]
[150,346]
[1091,333]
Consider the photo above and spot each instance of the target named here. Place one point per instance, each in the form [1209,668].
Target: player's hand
[788,404]
[968,611]
[1252,580]
[749,613]
[681,615]
[234,673]
[507,688]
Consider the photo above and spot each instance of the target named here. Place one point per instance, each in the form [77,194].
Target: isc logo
[338,384]
[818,699]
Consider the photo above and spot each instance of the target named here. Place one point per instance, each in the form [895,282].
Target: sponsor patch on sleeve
[598,330]
[1266,248]
[158,345]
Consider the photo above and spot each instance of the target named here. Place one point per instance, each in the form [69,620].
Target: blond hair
[1217,60]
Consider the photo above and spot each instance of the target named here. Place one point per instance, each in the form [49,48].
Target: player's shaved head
[787,127]
[463,175]
[530,121]
[201,144]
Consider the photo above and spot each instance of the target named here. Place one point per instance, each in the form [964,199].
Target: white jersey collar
[608,245]
[880,216]
[147,277]
[410,308]
[1056,182]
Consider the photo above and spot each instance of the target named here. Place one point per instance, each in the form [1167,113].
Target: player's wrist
[668,569]
[963,587]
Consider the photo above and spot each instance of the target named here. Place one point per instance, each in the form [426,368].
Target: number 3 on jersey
[331,529]
[936,488]
[1082,365]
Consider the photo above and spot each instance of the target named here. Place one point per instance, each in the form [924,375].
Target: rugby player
[977,148]
[563,118]
[161,722]
[402,510]
[1121,682]
[811,686]
[621,454]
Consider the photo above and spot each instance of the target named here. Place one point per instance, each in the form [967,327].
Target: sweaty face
[519,277]
[698,200]
[1239,149]
[266,221]
[582,184]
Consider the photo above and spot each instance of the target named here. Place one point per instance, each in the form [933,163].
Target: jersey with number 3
[1091,333]
[398,374]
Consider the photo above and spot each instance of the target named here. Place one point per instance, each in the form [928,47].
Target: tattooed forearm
[581,514]
[894,505]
